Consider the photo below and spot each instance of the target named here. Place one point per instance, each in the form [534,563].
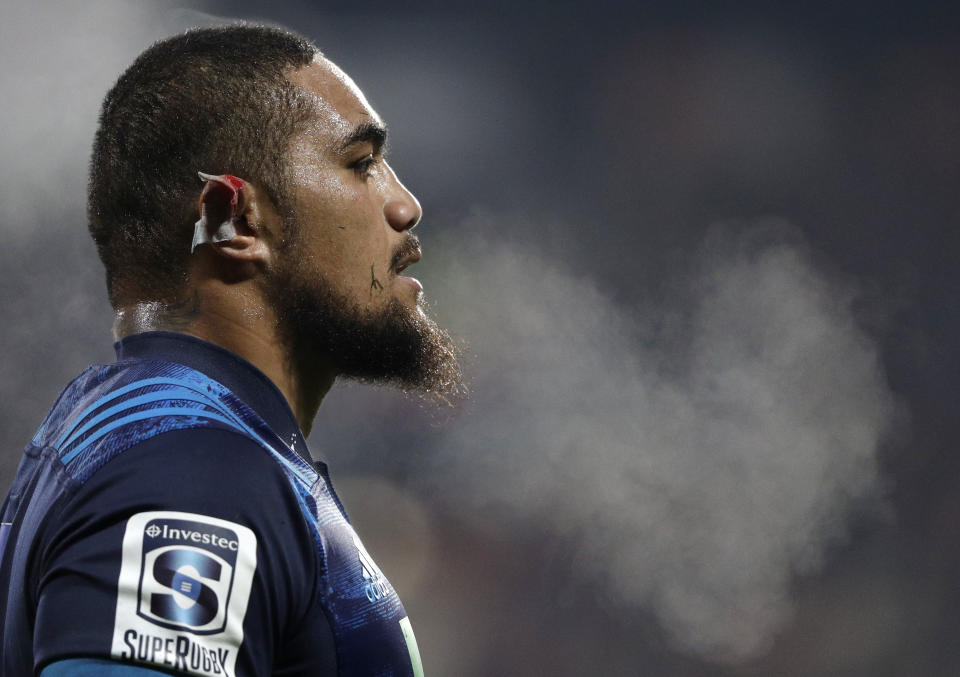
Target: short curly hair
[211,99]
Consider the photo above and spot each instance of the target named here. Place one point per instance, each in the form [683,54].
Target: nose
[402,210]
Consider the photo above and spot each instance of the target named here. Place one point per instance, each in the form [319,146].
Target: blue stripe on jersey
[179,394]
[308,506]
[162,412]
[206,389]
[91,667]
[112,395]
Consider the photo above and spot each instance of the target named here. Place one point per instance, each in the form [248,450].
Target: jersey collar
[239,376]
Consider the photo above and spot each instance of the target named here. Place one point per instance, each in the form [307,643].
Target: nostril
[414,220]
[401,215]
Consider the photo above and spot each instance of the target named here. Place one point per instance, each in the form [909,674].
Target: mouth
[407,261]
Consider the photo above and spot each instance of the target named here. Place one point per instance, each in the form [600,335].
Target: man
[167,517]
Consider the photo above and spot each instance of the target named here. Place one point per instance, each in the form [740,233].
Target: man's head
[323,223]
[207,100]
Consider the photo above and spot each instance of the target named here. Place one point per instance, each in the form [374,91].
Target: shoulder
[217,483]
[205,462]
[216,472]
[205,511]
[126,405]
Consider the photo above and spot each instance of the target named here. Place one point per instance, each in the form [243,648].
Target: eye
[364,166]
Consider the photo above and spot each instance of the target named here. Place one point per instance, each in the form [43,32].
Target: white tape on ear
[201,231]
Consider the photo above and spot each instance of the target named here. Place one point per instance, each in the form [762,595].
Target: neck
[244,326]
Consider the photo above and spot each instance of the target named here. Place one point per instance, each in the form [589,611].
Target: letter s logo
[193,604]
[186,588]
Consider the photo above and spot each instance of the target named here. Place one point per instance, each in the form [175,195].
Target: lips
[407,260]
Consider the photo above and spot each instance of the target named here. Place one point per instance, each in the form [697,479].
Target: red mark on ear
[226,182]
[234,181]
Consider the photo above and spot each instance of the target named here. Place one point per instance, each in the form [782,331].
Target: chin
[410,298]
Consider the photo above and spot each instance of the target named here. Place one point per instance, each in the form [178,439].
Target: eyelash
[364,166]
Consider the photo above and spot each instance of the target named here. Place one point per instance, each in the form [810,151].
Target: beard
[396,345]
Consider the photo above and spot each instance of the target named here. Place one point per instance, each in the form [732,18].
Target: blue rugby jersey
[167,514]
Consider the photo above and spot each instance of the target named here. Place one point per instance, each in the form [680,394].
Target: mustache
[410,245]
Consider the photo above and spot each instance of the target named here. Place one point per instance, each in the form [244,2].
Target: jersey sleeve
[187,553]
[93,667]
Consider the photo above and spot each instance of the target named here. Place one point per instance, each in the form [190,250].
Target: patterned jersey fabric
[167,514]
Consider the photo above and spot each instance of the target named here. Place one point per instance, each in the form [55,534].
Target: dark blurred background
[702,257]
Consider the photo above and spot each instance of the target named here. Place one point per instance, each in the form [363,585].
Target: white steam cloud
[699,451]
[59,59]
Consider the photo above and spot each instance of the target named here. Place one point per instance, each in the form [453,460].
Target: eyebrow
[373,133]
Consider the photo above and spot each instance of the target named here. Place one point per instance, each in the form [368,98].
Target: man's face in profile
[338,286]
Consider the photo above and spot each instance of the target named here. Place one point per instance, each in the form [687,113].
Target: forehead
[339,104]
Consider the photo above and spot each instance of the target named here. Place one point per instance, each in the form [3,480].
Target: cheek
[343,253]
[326,213]
[338,209]
[344,234]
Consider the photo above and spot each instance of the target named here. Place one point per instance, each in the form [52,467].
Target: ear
[230,219]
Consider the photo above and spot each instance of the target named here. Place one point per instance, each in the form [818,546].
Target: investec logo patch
[183,591]
[187,573]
